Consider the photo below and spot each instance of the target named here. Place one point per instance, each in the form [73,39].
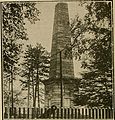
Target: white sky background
[41,31]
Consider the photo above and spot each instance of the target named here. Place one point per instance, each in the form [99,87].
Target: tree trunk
[38,96]
[38,88]
[28,88]
[9,99]
[35,95]
[12,77]
[33,86]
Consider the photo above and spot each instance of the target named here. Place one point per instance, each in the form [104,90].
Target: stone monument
[59,86]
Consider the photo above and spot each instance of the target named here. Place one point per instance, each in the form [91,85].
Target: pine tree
[13,33]
[35,70]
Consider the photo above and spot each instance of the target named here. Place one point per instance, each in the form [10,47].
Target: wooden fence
[59,113]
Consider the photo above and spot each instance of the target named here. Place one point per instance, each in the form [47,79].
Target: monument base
[53,92]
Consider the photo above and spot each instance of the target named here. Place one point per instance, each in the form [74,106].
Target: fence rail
[59,113]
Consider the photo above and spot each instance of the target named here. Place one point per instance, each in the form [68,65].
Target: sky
[41,31]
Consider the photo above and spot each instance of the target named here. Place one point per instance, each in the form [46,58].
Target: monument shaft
[61,39]
[58,87]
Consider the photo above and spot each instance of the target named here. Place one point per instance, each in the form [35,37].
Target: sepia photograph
[57,59]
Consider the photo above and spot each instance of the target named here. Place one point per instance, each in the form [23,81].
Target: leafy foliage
[13,29]
[94,46]
[13,33]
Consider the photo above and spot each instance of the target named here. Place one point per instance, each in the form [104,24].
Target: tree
[92,37]
[13,32]
[35,70]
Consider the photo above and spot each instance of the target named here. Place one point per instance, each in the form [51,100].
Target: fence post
[89,113]
[49,113]
[106,114]
[68,113]
[93,113]
[28,113]
[71,113]
[19,116]
[15,112]
[82,113]
[37,113]
[61,113]
[86,113]
[10,112]
[112,113]
[45,111]
[65,113]
[54,112]
[99,113]
[41,112]
[24,116]
[32,113]
[102,113]
[57,113]
[78,113]
[96,113]
[6,113]
[109,113]
[75,113]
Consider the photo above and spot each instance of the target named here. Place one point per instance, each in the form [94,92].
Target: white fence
[58,113]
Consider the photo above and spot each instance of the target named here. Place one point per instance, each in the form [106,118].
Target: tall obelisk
[60,39]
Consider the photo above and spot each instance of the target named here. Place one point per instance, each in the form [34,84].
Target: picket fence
[59,113]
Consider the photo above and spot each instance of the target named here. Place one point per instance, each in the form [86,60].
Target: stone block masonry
[60,39]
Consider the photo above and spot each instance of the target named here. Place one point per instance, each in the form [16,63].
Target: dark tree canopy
[93,39]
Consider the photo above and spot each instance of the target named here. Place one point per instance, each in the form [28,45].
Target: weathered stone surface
[60,39]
